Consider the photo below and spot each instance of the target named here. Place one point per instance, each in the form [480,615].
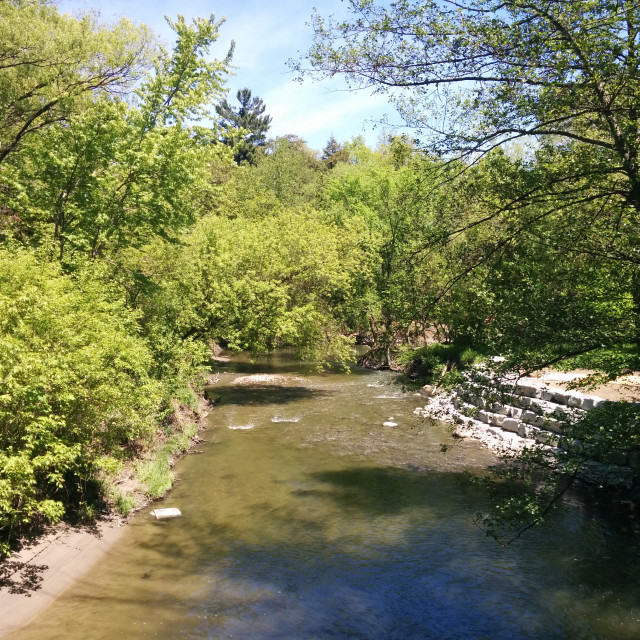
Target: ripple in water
[280,418]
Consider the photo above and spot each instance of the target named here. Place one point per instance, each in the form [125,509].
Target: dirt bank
[625,388]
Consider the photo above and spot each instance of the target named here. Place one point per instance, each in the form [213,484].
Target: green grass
[156,473]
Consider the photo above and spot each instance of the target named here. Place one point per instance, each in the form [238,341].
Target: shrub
[438,362]
[74,388]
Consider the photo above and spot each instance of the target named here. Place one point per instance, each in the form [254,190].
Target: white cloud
[267,34]
[315,112]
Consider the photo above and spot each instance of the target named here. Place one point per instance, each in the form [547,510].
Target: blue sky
[267,33]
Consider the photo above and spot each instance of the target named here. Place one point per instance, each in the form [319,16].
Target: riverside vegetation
[140,224]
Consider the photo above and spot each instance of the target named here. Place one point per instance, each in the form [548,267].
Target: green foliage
[539,262]
[334,153]
[436,362]
[145,242]
[279,280]
[51,63]
[532,483]
[156,472]
[289,170]
[564,208]
[157,475]
[124,504]
[117,171]
[75,387]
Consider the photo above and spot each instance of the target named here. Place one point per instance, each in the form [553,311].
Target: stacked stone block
[511,414]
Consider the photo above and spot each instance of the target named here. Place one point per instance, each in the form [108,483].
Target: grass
[156,473]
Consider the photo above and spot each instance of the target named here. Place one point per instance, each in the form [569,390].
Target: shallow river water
[305,517]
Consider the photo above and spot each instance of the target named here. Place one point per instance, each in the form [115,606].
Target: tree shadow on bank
[21,577]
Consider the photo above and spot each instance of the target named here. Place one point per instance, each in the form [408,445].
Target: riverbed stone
[528,390]
[496,433]
[544,437]
[575,400]
[551,424]
[560,396]
[521,413]
[524,430]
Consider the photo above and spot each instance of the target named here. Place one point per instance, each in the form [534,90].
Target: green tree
[117,173]
[477,74]
[396,205]
[334,152]
[248,119]
[49,61]
[290,170]
[75,388]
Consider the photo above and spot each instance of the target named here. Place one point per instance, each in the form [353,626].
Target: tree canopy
[48,63]
[562,77]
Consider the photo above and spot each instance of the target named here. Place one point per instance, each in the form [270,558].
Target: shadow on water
[399,562]
[378,490]
[281,362]
[262,394]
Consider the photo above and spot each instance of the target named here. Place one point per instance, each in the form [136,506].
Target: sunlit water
[305,517]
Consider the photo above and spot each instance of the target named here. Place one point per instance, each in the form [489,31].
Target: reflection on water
[320,522]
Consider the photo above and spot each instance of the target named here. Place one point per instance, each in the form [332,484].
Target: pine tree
[334,152]
[249,118]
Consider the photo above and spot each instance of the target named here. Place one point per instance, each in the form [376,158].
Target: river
[304,516]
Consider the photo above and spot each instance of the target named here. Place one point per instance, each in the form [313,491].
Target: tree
[334,152]
[249,120]
[119,171]
[75,389]
[289,169]
[49,61]
[478,74]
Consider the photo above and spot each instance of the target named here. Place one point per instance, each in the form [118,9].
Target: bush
[437,362]
[74,388]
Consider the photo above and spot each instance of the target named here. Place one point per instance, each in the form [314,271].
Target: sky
[267,33]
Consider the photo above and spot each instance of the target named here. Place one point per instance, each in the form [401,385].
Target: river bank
[49,563]
[511,414]
[43,571]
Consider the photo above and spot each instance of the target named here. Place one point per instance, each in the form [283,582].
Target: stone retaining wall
[508,415]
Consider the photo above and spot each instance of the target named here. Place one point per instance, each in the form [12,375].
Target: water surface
[306,517]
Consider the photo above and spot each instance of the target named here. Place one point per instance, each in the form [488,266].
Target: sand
[67,553]
[626,388]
